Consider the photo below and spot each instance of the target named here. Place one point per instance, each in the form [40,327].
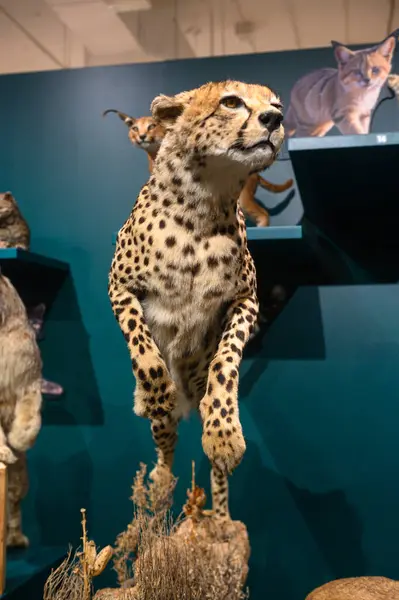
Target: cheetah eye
[150,127]
[135,129]
[232,102]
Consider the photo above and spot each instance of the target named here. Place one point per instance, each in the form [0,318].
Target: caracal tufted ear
[129,121]
[166,109]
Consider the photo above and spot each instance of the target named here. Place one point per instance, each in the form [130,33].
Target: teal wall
[318,487]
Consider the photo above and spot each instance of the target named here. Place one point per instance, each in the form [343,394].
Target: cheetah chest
[191,282]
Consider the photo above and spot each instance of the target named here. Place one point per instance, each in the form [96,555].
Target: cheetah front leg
[220,493]
[222,438]
[164,434]
[155,392]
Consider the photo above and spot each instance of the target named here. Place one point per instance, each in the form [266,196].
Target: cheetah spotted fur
[182,284]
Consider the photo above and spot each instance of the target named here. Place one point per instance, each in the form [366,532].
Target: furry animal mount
[36,319]
[144,132]
[14,230]
[357,588]
[20,400]
[344,97]
[139,136]
[198,555]
[182,283]
[248,203]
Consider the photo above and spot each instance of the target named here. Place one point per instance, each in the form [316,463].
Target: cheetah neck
[212,183]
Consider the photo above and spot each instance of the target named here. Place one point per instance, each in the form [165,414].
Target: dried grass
[65,582]
[172,568]
[152,502]
[182,560]
[73,579]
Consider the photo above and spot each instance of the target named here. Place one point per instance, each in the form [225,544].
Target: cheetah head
[144,132]
[232,120]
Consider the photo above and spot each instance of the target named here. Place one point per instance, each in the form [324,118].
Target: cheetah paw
[224,446]
[7,456]
[155,402]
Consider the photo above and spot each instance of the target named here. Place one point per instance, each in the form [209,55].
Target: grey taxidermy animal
[14,230]
[20,400]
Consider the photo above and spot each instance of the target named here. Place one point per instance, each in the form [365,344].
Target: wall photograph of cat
[343,97]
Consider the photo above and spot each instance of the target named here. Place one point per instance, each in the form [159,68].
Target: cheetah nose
[271,119]
[142,137]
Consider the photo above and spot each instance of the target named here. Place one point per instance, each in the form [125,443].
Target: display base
[357,588]
[224,540]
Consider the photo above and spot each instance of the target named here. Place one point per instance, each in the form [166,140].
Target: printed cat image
[36,319]
[20,401]
[147,134]
[14,230]
[345,96]
[357,588]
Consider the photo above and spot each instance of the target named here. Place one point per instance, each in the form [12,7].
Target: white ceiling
[55,34]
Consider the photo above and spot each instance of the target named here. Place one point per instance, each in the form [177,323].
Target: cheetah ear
[129,121]
[166,109]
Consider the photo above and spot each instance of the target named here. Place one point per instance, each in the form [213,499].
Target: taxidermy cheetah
[20,401]
[182,282]
[147,134]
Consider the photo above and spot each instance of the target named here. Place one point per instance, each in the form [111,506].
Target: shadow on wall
[58,514]
[299,336]
[279,208]
[66,356]
[335,527]
[326,524]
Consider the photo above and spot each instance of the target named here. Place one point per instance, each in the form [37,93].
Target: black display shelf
[27,571]
[25,256]
[349,188]
[282,254]
[37,278]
